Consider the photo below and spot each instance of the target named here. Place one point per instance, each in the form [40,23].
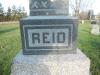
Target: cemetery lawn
[90,45]
[10,45]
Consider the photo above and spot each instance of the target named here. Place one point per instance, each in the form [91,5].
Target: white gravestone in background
[95,29]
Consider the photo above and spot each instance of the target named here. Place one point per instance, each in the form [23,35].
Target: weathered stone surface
[49,7]
[43,35]
[65,64]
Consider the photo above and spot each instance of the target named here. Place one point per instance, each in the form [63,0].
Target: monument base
[67,64]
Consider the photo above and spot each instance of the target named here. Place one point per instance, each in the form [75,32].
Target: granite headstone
[49,34]
[54,33]
[48,37]
[95,27]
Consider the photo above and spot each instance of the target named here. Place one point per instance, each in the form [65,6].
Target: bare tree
[80,5]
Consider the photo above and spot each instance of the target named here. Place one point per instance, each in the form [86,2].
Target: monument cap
[48,7]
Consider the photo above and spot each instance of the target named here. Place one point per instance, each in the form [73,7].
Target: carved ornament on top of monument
[49,7]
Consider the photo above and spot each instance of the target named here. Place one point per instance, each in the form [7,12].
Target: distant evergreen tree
[8,15]
[24,14]
[1,12]
[14,12]
[18,13]
[21,12]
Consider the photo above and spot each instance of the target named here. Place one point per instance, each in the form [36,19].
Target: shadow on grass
[95,44]
[8,30]
[1,70]
[87,31]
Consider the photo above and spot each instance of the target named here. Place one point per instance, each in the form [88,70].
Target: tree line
[12,14]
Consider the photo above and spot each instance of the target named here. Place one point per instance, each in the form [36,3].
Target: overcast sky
[25,3]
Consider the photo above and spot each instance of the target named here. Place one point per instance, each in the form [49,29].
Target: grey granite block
[64,64]
[43,35]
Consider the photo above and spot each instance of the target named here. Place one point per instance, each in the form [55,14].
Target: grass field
[10,44]
[90,45]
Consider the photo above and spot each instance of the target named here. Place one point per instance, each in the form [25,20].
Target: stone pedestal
[65,64]
[95,30]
